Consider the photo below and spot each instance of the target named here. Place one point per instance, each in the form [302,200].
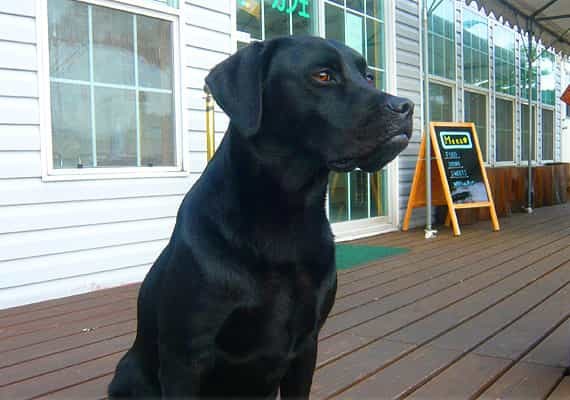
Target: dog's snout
[401,105]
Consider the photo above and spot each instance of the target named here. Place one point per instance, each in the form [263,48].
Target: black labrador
[233,305]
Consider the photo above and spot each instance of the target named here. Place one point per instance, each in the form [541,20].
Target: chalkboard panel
[460,156]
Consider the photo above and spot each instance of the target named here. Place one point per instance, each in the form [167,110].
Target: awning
[550,18]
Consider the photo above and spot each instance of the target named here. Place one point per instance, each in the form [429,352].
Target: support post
[210,138]
[530,127]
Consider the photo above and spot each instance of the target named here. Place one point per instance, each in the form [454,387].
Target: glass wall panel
[476,112]
[338,197]
[505,60]
[547,135]
[524,71]
[441,28]
[547,77]
[475,49]
[525,134]
[504,130]
[440,102]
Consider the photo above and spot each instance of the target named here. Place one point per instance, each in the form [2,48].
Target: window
[524,71]
[547,77]
[440,102]
[525,133]
[547,135]
[441,41]
[505,61]
[111,85]
[504,130]
[267,19]
[475,50]
[476,112]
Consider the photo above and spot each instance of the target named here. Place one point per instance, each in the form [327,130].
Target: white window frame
[512,99]
[147,8]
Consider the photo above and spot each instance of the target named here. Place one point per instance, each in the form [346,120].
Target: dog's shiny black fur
[234,304]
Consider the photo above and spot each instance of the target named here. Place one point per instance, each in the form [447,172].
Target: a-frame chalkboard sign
[458,178]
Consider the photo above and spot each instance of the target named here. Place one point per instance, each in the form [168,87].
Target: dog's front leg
[296,384]
[179,377]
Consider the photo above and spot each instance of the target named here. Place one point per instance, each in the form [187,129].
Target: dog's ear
[236,85]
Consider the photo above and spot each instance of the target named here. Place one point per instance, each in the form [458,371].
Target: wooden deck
[486,315]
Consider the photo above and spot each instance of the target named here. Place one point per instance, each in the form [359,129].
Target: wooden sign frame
[441,193]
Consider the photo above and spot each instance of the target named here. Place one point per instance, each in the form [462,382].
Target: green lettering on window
[281,6]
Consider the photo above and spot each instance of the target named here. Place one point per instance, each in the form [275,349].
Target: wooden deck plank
[414,276]
[104,308]
[562,391]
[95,389]
[58,345]
[30,369]
[462,381]
[92,321]
[62,378]
[426,324]
[524,381]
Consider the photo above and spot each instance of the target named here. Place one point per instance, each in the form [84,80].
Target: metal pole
[210,138]
[530,127]
[429,233]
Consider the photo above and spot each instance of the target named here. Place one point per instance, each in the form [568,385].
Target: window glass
[475,50]
[505,60]
[476,112]
[441,41]
[334,22]
[440,102]
[110,74]
[547,135]
[358,195]
[524,71]
[269,19]
[504,130]
[71,122]
[338,197]
[547,77]
[525,133]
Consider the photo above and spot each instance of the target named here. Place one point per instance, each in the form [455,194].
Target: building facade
[102,118]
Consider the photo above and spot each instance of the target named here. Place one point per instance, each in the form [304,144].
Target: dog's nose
[401,105]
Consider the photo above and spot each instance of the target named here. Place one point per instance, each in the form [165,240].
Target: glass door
[359,24]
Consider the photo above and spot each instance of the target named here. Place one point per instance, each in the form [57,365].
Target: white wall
[62,238]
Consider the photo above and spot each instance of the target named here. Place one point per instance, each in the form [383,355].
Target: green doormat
[350,256]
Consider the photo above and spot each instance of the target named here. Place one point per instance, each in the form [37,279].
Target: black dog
[234,304]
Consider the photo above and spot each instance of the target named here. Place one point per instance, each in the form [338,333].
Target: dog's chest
[283,320]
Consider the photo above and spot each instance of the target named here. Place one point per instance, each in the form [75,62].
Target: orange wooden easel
[441,194]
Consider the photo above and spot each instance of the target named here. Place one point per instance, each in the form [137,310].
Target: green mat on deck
[350,256]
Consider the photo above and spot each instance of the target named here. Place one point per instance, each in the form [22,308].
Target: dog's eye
[323,75]
[369,78]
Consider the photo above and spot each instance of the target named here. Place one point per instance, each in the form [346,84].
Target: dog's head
[314,98]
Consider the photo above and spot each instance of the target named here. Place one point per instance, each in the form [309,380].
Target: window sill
[107,175]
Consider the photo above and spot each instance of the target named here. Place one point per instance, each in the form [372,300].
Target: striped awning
[550,18]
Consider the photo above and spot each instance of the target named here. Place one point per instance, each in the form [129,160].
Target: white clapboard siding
[66,287]
[209,39]
[197,120]
[19,110]
[66,265]
[197,140]
[18,83]
[20,164]
[38,243]
[18,7]
[19,137]
[202,58]
[215,5]
[32,191]
[195,79]
[211,19]
[17,28]
[15,55]
[59,215]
